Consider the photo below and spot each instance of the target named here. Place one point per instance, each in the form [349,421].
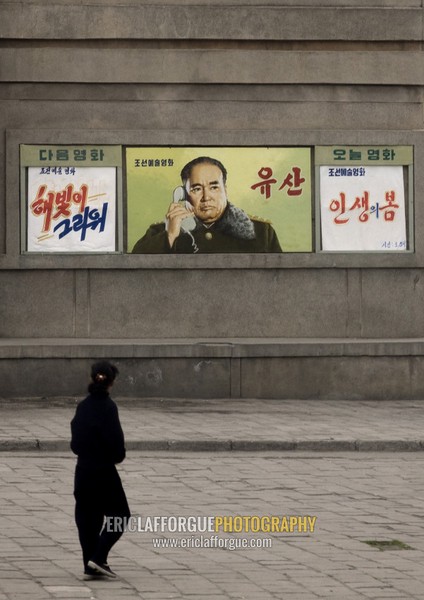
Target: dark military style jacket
[235,231]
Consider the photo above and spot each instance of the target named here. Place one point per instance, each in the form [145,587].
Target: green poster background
[150,188]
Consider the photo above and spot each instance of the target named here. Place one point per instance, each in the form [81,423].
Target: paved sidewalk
[155,424]
[355,497]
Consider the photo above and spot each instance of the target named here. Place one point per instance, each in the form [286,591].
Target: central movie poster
[246,200]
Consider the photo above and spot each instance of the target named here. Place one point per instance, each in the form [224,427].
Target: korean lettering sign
[362,200]
[71,198]
[270,184]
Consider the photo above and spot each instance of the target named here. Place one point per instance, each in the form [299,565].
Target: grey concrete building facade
[248,73]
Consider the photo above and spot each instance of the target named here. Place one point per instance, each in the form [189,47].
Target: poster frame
[12,258]
[406,161]
[114,161]
[176,150]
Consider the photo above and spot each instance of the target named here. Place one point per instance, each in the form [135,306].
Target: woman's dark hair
[103,374]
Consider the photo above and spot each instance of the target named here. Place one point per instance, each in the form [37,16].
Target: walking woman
[98,441]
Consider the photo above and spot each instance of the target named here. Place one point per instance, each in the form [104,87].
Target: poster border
[115,161]
[407,163]
[11,257]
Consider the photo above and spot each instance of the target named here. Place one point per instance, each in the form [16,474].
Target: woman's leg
[89,523]
[116,506]
[89,514]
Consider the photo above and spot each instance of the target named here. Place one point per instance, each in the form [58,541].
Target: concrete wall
[239,73]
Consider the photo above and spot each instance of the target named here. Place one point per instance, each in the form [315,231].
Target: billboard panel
[70,198]
[264,194]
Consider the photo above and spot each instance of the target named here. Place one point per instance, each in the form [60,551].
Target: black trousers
[98,494]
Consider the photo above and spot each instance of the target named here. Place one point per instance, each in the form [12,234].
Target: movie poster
[363,199]
[244,200]
[70,200]
[364,210]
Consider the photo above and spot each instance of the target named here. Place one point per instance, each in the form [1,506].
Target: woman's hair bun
[103,374]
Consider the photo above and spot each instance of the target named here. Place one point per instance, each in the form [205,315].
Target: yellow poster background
[153,173]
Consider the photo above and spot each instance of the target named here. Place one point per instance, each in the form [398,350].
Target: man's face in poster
[207,192]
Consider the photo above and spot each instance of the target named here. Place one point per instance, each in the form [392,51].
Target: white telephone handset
[179,195]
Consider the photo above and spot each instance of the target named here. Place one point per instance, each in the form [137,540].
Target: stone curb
[213,445]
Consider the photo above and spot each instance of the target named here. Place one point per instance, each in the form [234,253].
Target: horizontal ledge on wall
[287,4]
[93,65]
[197,21]
[278,93]
[278,136]
[75,348]
[235,261]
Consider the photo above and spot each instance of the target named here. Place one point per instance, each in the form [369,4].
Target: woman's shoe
[103,569]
